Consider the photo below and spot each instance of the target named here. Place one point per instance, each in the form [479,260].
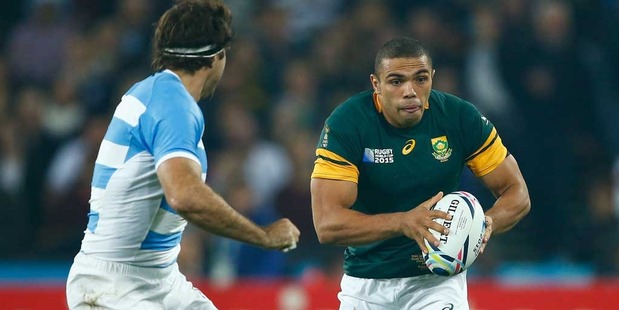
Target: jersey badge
[408,147]
[441,148]
[325,136]
[378,156]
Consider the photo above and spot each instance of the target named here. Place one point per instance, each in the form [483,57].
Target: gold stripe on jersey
[329,165]
[489,156]
[489,141]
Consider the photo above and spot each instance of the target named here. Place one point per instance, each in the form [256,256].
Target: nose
[409,91]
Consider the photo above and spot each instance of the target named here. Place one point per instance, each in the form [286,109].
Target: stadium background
[544,72]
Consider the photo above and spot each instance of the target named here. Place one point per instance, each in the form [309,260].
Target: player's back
[130,220]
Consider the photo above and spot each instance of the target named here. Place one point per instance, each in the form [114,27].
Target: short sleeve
[339,150]
[172,132]
[483,145]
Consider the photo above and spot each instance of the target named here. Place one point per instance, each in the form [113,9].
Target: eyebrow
[422,71]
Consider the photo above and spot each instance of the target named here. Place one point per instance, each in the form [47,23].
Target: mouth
[411,108]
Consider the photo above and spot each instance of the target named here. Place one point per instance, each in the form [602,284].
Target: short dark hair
[401,47]
[191,24]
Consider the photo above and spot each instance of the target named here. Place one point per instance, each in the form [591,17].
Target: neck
[192,82]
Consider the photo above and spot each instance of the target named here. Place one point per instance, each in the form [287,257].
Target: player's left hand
[487,234]
[282,235]
[417,222]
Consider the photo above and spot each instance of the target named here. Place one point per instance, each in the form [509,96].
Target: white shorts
[98,284]
[421,292]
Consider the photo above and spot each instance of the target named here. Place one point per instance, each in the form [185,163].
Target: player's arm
[508,186]
[336,223]
[185,192]
[498,171]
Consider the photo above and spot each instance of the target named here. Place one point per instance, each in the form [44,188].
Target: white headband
[193,52]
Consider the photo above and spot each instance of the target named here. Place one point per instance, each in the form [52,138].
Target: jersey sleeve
[484,147]
[172,132]
[338,151]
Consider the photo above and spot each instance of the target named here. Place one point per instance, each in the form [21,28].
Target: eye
[395,82]
[421,79]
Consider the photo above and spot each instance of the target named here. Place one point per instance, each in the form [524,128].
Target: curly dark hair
[191,24]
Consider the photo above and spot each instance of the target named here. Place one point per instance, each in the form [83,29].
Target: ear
[375,83]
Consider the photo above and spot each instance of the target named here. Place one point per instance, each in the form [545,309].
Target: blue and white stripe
[129,219]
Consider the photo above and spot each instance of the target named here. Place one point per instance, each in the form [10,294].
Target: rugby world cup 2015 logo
[378,156]
[441,148]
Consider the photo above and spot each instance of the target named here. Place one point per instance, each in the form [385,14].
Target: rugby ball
[458,250]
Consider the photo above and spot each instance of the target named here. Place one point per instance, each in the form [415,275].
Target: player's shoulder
[163,84]
[357,108]
[450,105]
[448,101]
[162,93]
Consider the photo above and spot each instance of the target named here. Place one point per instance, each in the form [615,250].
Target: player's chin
[412,119]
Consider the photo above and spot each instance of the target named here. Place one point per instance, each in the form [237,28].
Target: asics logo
[408,147]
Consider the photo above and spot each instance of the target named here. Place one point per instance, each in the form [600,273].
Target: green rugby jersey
[397,169]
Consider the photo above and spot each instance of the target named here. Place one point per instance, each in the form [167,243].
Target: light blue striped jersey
[130,220]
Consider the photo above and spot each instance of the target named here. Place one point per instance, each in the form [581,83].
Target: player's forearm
[509,208]
[349,227]
[209,211]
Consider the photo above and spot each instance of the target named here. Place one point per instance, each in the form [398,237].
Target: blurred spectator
[37,46]
[67,190]
[12,173]
[135,19]
[326,65]
[274,45]
[369,23]
[244,12]
[296,108]
[64,114]
[439,31]
[11,13]
[558,122]
[244,82]
[294,202]
[232,259]
[484,85]
[308,16]
[264,165]
[447,79]
[93,64]
[12,166]
[73,162]
[603,251]
[36,147]
[87,12]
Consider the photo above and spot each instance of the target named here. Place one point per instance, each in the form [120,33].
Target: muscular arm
[198,203]
[508,185]
[336,223]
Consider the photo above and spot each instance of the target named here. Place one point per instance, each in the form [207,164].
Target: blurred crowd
[544,72]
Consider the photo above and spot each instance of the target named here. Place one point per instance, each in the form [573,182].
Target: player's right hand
[282,235]
[417,222]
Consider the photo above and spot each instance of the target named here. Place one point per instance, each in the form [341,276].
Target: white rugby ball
[458,250]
